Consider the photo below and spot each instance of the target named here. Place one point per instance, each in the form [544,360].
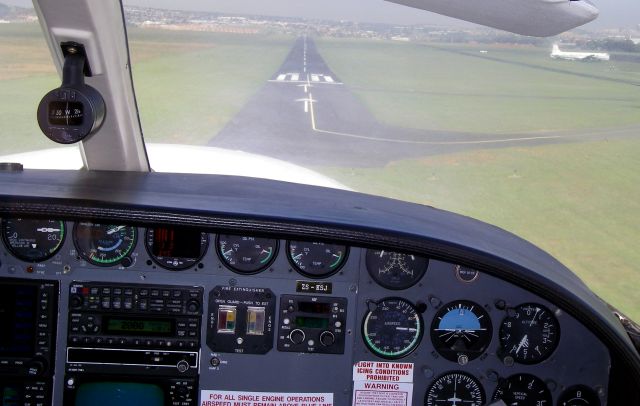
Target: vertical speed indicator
[392,328]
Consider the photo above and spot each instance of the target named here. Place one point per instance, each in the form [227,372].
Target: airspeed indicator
[392,328]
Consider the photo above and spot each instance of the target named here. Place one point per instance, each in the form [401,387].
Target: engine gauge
[530,334]
[455,388]
[246,255]
[33,240]
[316,259]
[392,328]
[176,248]
[523,390]
[461,331]
[394,270]
[579,395]
[104,244]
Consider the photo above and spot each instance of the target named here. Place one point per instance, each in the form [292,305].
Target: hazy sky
[614,13]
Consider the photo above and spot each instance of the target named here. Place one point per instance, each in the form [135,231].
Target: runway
[306,115]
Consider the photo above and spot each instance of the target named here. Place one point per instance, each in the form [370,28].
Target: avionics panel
[28,310]
[181,336]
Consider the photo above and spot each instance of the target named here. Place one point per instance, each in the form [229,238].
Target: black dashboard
[167,289]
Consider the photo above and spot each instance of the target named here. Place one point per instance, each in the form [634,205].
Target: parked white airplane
[556,53]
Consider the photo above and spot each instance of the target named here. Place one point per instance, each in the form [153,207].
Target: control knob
[182,392]
[182,366]
[193,306]
[36,367]
[297,336]
[327,338]
[76,301]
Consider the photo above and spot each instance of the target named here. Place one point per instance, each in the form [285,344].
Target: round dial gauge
[316,259]
[246,255]
[579,395]
[394,270]
[461,331]
[176,248]
[530,333]
[33,240]
[453,389]
[392,328]
[104,244]
[523,390]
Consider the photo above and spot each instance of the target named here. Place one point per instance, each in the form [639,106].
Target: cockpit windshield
[540,136]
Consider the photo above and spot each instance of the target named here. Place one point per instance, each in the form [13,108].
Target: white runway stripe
[315,78]
[281,77]
[328,79]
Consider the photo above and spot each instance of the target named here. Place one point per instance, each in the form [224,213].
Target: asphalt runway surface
[306,115]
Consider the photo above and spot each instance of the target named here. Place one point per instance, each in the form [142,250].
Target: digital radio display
[135,326]
[176,242]
[312,322]
[314,307]
[18,320]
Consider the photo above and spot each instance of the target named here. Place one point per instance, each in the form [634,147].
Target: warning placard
[240,398]
[382,383]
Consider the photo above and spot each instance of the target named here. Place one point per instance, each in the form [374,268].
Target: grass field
[188,84]
[579,202]
[189,91]
[449,87]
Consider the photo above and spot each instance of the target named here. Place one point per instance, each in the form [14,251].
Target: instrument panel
[203,315]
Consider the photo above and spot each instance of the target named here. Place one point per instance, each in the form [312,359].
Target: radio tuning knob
[182,366]
[76,301]
[182,393]
[297,336]
[193,306]
[327,338]
[36,368]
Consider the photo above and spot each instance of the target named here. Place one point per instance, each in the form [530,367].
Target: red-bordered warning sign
[382,383]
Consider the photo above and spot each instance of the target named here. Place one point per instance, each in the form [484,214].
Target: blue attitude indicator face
[461,331]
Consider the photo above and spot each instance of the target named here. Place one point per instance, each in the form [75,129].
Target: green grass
[580,202]
[26,74]
[187,98]
[188,84]
[437,87]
